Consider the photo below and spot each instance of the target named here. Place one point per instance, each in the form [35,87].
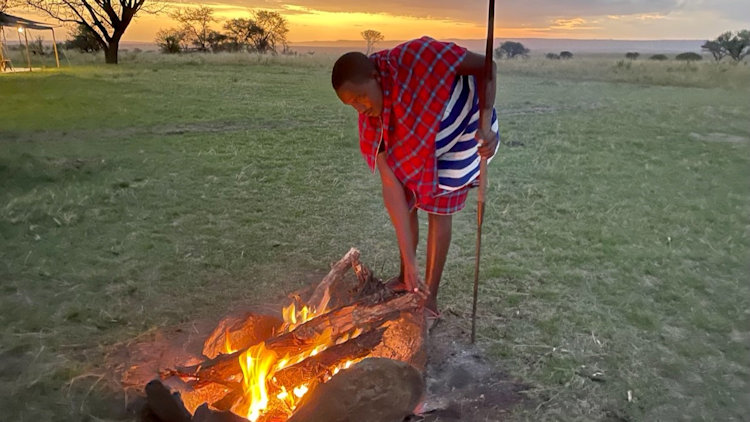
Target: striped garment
[455,146]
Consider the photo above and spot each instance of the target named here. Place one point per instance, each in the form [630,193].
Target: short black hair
[353,66]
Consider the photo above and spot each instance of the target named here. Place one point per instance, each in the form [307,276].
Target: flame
[293,318]
[228,349]
[260,364]
[256,365]
[300,391]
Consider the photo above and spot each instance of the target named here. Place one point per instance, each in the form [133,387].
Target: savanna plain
[164,190]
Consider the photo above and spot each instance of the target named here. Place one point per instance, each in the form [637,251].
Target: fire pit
[348,347]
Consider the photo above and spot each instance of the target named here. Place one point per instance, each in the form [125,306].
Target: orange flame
[260,364]
[256,365]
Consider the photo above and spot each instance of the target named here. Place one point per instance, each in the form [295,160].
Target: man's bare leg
[414,226]
[438,242]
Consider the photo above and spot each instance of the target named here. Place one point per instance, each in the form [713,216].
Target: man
[419,107]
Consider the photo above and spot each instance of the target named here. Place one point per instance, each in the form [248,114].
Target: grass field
[615,249]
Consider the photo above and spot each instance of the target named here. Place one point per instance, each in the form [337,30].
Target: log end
[373,390]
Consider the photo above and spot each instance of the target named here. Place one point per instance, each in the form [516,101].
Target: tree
[659,57]
[195,24]
[689,57]
[8,4]
[736,45]
[511,49]
[170,41]
[240,32]
[566,55]
[632,55]
[84,40]
[372,37]
[107,20]
[715,48]
[219,42]
[273,32]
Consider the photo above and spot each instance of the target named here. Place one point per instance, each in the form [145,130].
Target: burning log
[338,322]
[240,332]
[315,367]
[319,365]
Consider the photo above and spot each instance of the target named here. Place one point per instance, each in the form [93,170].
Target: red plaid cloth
[416,79]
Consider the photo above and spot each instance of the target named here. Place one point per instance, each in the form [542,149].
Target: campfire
[265,368]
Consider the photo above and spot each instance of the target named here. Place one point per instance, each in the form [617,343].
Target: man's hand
[486,143]
[414,284]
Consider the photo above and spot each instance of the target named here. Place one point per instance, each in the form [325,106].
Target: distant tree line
[263,32]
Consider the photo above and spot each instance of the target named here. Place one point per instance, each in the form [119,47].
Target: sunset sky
[328,20]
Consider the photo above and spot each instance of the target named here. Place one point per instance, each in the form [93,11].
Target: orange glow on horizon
[328,27]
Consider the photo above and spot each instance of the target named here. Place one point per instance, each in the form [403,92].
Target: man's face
[366,97]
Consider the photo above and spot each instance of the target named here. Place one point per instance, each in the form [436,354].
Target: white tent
[22,25]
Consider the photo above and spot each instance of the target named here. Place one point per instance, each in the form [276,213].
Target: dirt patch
[462,384]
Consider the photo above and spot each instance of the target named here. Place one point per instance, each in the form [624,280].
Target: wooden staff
[485,124]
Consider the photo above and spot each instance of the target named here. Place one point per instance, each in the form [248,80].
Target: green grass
[159,192]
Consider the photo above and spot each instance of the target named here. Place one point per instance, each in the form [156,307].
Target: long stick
[485,124]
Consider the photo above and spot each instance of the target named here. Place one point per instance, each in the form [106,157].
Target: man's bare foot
[396,284]
[432,317]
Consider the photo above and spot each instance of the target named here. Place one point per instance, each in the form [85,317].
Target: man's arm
[398,210]
[473,64]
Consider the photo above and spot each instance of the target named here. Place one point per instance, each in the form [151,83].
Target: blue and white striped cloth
[456,148]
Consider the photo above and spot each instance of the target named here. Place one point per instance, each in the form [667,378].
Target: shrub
[36,47]
[552,56]
[633,55]
[170,40]
[566,55]
[659,57]
[689,57]
[84,40]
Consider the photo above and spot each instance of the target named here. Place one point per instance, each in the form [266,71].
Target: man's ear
[375,75]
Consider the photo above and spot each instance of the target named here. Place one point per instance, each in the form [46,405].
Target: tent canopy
[10,20]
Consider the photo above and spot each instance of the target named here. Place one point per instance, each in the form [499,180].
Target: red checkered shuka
[416,79]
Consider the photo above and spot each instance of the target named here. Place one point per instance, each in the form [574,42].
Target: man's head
[357,83]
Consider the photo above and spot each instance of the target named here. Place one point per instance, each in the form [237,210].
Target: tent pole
[54,46]
[2,48]
[28,55]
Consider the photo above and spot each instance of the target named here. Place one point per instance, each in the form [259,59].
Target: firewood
[206,414]
[164,405]
[373,390]
[320,298]
[240,332]
[338,321]
[319,365]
